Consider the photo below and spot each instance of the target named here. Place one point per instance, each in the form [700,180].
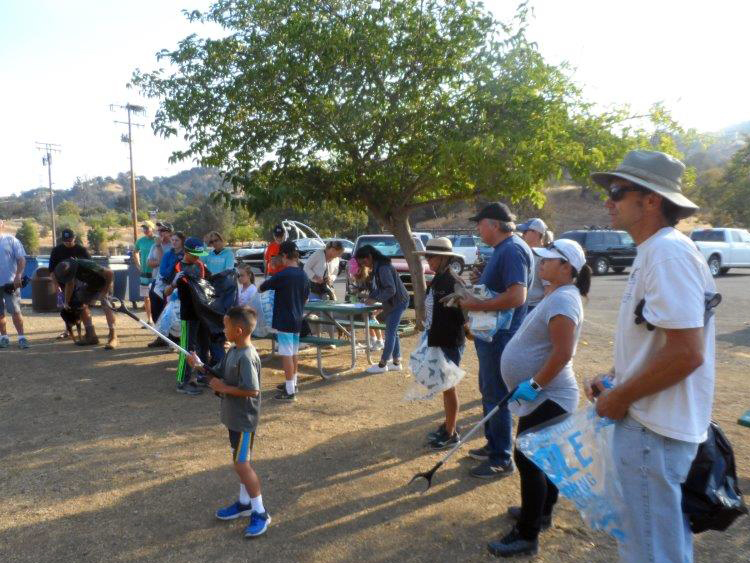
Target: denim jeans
[498,429]
[652,467]
[391,343]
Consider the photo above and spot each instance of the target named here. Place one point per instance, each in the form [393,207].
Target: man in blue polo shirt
[508,273]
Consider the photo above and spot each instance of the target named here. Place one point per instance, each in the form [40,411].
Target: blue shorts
[242,445]
[288,343]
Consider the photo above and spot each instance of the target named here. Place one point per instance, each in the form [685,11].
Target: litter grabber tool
[427,475]
[118,305]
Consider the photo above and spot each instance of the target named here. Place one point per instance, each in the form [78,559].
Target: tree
[390,105]
[28,235]
[729,193]
[68,208]
[203,218]
[97,239]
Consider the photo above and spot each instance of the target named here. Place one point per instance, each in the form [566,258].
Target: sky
[63,63]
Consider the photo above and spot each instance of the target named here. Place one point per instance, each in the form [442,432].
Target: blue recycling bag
[575,452]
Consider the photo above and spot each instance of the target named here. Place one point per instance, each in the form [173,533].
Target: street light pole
[131,108]
[47,161]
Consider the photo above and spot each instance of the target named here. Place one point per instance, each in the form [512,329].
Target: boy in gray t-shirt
[238,384]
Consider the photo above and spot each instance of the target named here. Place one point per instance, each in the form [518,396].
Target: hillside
[566,208]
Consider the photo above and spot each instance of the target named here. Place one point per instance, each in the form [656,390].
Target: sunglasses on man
[616,193]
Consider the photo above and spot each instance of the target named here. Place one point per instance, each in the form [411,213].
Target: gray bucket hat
[655,171]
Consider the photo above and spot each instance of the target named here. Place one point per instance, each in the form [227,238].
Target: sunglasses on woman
[551,246]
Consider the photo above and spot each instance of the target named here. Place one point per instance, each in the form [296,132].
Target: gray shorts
[10,302]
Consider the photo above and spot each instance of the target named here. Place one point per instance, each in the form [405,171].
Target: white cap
[568,250]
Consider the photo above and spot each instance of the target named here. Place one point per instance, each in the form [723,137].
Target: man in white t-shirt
[664,357]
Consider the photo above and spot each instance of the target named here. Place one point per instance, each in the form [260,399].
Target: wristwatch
[534,385]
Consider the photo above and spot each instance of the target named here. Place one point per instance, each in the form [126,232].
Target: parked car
[307,246]
[723,248]
[466,246]
[389,246]
[605,249]
[252,255]
[424,236]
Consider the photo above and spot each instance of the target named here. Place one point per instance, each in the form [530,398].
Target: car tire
[601,266]
[457,266]
[714,265]
[619,269]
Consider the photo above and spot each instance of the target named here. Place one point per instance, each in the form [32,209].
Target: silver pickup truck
[723,248]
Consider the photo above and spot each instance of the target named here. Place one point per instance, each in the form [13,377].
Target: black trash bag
[212,298]
[711,498]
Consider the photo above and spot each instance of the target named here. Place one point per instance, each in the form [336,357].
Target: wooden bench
[404,328]
[317,341]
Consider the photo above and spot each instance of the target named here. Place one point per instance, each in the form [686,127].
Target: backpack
[711,498]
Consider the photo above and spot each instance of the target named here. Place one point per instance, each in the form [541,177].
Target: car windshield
[388,246]
[627,239]
[708,236]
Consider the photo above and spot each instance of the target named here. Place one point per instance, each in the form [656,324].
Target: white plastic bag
[169,320]
[262,302]
[433,372]
[484,324]
[576,455]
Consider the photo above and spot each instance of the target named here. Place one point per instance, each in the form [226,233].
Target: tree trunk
[399,226]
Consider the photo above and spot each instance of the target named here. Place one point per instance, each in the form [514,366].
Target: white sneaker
[378,345]
[375,368]
[395,367]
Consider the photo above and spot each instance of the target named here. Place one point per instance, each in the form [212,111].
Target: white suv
[466,246]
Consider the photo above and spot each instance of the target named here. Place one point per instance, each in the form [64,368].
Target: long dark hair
[369,251]
[583,279]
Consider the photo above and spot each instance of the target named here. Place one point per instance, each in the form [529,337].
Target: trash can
[31,265]
[43,292]
[134,283]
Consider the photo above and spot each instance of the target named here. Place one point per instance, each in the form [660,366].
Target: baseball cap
[496,210]
[534,224]
[148,224]
[67,234]
[278,231]
[568,250]
[195,246]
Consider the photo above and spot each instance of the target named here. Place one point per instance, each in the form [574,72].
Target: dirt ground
[101,460]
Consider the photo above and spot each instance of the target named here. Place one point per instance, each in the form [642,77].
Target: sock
[257,503]
[295,379]
[244,496]
[290,386]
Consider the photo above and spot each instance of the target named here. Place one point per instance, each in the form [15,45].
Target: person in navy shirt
[508,273]
[292,289]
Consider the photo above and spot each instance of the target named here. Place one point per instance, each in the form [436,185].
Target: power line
[137,110]
[48,149]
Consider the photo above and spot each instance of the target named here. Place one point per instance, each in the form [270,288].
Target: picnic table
[344,317]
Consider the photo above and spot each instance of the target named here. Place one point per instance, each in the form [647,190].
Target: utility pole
[138,110]
[48,149]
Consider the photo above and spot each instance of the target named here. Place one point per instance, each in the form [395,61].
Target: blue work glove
[524,392]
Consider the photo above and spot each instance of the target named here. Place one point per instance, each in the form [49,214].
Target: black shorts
[87,295]
[242,445]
